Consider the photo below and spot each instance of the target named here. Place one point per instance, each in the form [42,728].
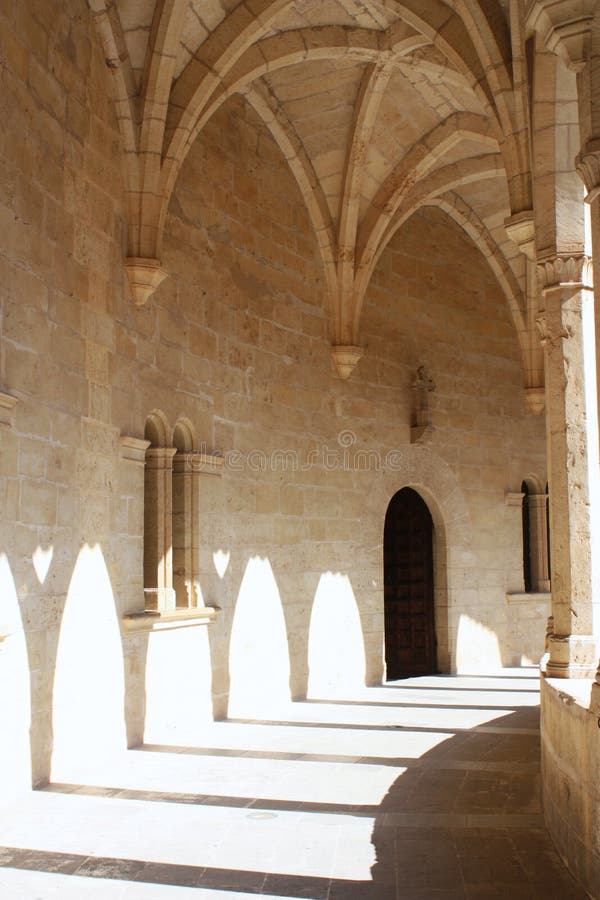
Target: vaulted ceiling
[379,107]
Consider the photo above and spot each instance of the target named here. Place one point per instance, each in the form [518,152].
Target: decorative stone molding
[7,408]
[144,275]
[345,358]
[571,656]
[166,620]
[565,27]
[206,463]
[134,449]
[566,269]
[535,400]
[513,498]
[520,228]
[587,164]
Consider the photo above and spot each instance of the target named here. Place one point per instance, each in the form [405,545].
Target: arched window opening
[410,637]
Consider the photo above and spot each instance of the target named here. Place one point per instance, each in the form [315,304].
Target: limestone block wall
[235,342]
[571,775]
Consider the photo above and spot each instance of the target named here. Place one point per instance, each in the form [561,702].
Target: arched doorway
[410,641]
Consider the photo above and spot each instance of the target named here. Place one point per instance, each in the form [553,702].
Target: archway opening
[410,637]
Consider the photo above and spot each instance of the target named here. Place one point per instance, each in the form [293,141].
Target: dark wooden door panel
[410,644]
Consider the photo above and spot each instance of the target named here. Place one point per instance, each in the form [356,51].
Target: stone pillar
[588,167]
[158,541]
[186,485]
[538,542]
[567,297]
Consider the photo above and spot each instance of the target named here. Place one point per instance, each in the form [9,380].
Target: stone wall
[235,344]
[571,775]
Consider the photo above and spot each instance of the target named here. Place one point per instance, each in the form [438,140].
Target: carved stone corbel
[144,275]
[520,228]
[345,358]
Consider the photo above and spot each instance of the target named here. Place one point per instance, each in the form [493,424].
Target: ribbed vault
[378,106]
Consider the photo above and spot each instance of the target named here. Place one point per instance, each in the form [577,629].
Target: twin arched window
[171,576]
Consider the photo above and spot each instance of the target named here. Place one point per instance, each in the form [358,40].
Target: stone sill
[164,620]
[528,597]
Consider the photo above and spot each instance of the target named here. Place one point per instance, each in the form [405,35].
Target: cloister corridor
[420,789]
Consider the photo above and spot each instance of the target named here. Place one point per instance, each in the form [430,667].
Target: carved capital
[565,28]
[134,449]
[521,230]
[587,164]
[345,358]
[160,457]
[514,498]
[199,463]
[565,270]
[144,275]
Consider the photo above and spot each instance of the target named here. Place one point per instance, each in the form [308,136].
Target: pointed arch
[275,119]
[417,163]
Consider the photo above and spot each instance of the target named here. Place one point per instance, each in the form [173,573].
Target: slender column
[567,300]
[158,541]
[185,529]
[538,542]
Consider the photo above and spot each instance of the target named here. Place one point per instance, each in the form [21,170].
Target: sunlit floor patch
[346,799]
[16,883]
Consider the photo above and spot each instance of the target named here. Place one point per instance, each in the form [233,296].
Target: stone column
[567,298]
[538,542]
[186,485]
[588,167]
[158,540]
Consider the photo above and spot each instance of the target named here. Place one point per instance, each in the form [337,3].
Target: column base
[572,656]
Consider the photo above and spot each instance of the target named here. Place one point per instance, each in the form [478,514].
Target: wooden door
[410,643]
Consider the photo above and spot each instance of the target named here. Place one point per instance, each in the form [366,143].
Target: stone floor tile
[386,796]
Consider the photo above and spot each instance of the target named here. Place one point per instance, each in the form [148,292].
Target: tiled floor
[424,789]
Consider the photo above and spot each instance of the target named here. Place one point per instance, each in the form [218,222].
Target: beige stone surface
[570,775]
[238,231]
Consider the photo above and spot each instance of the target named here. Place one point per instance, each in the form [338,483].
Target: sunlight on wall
[259,662]
[88,718]
[42,560]
[336,650]
[221,560]
[178,686]
[15,694]
[477,648]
